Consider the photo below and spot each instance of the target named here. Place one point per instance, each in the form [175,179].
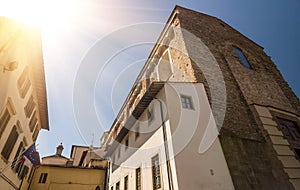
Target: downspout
[169,171]
[32,177]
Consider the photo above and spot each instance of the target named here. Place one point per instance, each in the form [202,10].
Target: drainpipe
[169,171]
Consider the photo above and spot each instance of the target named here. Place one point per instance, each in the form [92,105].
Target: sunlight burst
[41,13]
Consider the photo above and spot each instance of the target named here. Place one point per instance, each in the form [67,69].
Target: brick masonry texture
[251,158]
[254,165]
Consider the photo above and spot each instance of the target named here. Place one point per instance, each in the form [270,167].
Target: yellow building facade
[62,178]
[84,170]
[23,103]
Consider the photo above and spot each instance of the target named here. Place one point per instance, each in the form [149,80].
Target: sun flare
[41,13]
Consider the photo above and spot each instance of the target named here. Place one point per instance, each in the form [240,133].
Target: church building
[209,110]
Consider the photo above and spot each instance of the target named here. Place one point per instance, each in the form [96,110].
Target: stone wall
[251,157]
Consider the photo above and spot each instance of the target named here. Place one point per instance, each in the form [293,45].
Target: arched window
[242,57]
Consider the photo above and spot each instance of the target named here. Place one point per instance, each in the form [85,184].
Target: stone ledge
[296,183]
[289,161]
[263,111]
[283,150]
[279,140]
[273,130]
[268,121]
[293,173]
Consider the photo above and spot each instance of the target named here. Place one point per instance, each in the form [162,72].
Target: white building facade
[143,161]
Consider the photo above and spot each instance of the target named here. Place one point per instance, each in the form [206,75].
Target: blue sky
[275,25]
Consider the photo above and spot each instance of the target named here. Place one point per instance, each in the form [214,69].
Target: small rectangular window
[24,83]
[43,178]
[10,143]
[33,121]
[29,107]
[156,172]
[118,186]
[35,133]
[126,183]
[186,102]
[4,119]
[138,179]
[5,115]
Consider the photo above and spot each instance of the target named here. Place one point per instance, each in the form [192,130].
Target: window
[43,177]
[242,57]
[112,188]
[16,164]
[29,107]
[138,179]
[186,102]
[33,121]
[118,186]
[23,172]
[291,131]
[156,172]
[4,119]
[24,83]
[126,183]
[35,133]
[10,143]
[6,114]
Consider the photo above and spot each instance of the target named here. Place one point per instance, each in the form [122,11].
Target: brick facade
[248,150]
[199,48]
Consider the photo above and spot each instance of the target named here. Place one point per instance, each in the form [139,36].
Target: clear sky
[275,25]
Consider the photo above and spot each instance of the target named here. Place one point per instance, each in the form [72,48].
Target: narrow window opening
[138,179]
[242,57]
[156,172]
[43,178]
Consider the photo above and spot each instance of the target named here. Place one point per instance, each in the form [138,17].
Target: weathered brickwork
[198,48]
[254,165]
[251,158]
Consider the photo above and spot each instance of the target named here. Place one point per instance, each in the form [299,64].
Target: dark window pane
[138,179]
[242,57]
[5,117]
[10,143]
[126,183]
[156,172]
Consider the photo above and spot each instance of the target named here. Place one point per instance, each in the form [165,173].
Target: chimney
[59,149]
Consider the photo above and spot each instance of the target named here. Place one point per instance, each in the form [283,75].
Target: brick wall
[250,156]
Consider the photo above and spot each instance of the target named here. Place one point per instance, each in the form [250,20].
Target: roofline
[73,146]
[152,53]
[55,156]
[220,20]
[73,167]
[169,22]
